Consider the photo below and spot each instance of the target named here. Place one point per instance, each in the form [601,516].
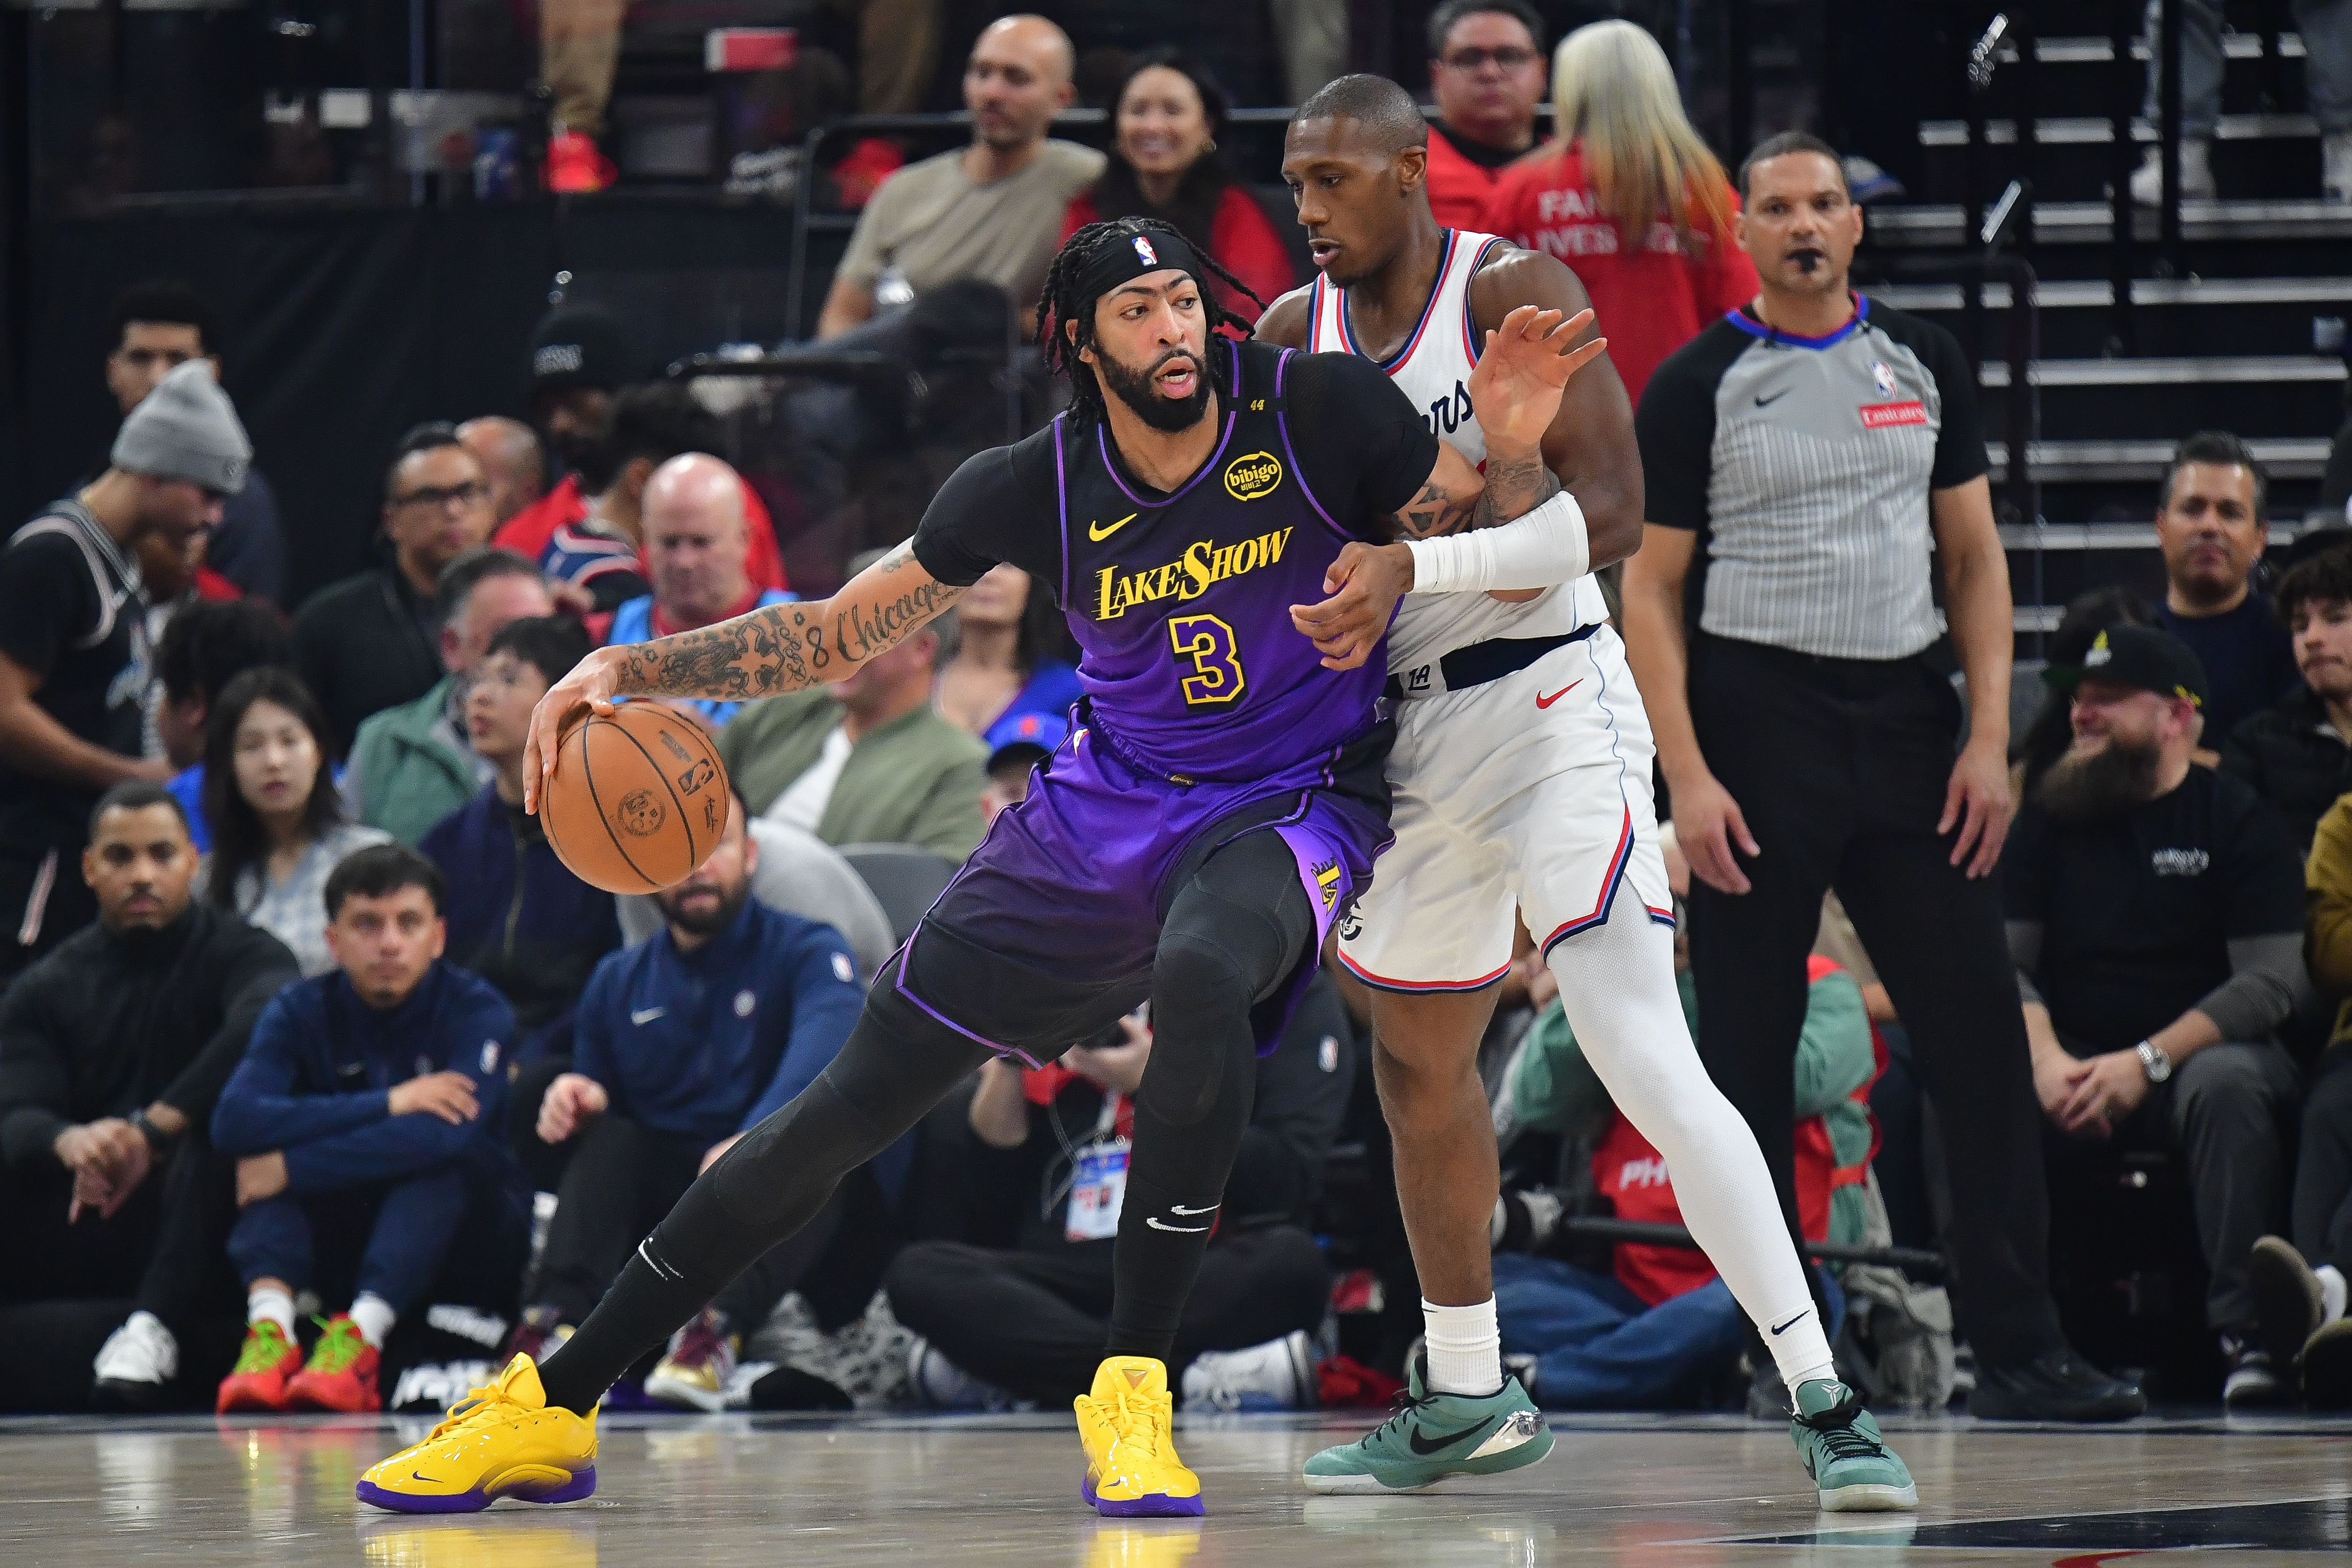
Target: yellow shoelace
[479,1408]
[1137,1428]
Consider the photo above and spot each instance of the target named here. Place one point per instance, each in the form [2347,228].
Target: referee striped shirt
[1804,467]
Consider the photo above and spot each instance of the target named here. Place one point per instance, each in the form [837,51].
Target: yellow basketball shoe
[1125,1426]
[504,1440]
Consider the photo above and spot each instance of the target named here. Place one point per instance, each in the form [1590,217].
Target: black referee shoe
[2056,1385]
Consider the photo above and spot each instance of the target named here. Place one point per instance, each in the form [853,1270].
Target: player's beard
[1141,392]
[2089,786]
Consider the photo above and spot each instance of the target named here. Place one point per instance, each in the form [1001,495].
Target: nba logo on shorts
[1884,376]
[1144,252]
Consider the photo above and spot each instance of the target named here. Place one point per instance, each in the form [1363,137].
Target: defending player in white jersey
[1521,776]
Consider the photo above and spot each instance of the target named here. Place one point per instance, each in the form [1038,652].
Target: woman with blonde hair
[1631,199]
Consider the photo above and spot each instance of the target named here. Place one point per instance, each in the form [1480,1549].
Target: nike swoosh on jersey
[1543,701]
[1153,1221]
[1443,1439]
[1097,532]
[647,1016]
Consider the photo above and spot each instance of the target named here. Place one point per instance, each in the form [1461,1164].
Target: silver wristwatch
[2155,1063]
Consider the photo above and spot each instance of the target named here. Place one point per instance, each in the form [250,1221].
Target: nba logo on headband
[1144,252]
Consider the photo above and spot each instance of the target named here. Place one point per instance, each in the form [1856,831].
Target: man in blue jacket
[517,917]
[684,1042]
[362,1121]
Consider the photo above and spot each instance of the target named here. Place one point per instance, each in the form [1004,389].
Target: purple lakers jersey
[1182,602]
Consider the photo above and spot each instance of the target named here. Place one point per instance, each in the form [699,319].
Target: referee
[1805,455]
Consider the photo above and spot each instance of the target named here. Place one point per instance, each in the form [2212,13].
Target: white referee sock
[1465,1348]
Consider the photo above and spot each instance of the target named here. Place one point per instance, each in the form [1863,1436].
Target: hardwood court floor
[711,1492]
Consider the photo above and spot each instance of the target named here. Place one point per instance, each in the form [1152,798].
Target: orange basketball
[636,801]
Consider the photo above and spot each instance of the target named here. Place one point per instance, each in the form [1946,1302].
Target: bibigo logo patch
[1253,477]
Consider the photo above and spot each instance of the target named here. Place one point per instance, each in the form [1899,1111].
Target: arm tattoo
[789,647]
[1515,487]
[1435,510]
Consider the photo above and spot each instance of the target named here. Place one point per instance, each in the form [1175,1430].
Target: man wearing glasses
[372,641]
[1486,72]
[73,645]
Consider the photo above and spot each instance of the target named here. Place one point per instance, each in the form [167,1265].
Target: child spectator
[517,917]
[2294,754]
[364,1120]
[206,645]
[277,818]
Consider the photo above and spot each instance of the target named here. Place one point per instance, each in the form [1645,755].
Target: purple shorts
[1048,933]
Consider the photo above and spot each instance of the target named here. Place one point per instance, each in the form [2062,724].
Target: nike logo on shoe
[645,1015]
[1776,397]
[1542,702]
[1792,1322]
[1424,1444]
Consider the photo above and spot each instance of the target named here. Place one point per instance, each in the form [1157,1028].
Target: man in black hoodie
[112,1050]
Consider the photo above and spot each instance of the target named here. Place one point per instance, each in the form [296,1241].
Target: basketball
[636,801]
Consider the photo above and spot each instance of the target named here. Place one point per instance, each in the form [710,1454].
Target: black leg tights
[897,1064]
[1235,932]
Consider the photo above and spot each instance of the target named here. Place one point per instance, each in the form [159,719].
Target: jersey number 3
[1210,643]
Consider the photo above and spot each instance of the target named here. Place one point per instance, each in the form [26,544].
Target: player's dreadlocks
[1060,301]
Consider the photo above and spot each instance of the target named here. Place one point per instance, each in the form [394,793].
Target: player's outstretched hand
[1365,583]
[1521,371]
[592,685]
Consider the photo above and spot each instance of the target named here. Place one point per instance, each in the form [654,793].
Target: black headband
[1130,256]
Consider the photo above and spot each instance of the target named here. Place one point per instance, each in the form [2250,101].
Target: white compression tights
[1617,983]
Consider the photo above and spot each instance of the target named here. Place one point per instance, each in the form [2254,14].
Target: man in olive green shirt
[865,761]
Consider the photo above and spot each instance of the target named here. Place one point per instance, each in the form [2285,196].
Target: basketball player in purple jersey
[1216,809]
[1521,781]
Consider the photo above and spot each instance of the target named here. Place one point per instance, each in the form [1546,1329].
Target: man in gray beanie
[73,645]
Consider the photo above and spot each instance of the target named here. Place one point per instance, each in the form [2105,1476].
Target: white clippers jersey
[1433,370]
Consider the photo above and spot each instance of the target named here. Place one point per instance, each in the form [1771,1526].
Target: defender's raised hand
[1527,361]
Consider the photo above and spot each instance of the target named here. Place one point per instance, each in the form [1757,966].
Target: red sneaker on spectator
[342,1372]
[536,1333]
[574,163]
[258,1383]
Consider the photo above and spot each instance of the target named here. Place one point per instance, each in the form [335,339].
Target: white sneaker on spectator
[136,1364]
[2251,1381]
[2196,175]
[2335,166]
[1277,1375]
[937,1384]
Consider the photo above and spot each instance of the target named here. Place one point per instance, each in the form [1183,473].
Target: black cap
[581,345]
[2147,659]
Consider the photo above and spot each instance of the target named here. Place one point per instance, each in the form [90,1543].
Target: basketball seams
[695,856]
[588,777]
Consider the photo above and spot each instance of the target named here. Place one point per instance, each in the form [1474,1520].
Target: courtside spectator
[1018,1306]
[2298,1285]
[1486,72]
[277,823]
[684,1043]
[2051,734]
[112,1051]
[866,760]
[594,542]
[1662,1324]
[1634,203]
[2296,755]
[156,327]
[2212,521]
[206,645]
[2154,913]
[696,553]
[1007,665]
[364,1120]
[1806,728]
[411,765]
[373,640]
[73,648]
[992,210]
[800,874]
[515,916]
[511,462]
[1165,116]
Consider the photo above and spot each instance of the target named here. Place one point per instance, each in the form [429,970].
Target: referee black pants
[1839,767]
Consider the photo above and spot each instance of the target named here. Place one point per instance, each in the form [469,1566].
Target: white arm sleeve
[1545,546]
